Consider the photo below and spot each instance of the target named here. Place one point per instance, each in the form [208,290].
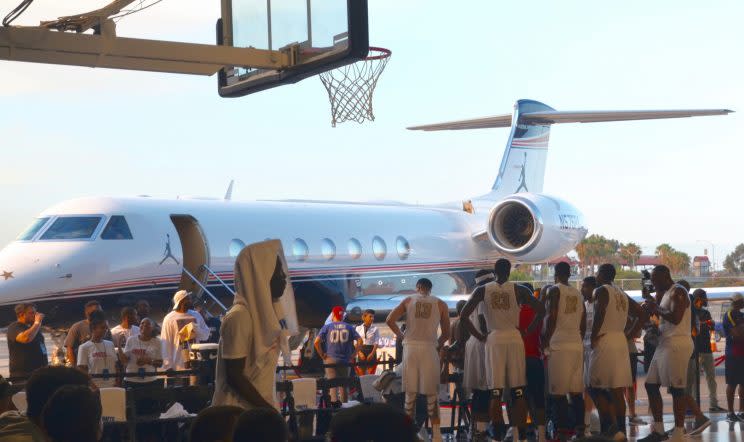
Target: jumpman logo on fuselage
[168,253]
[523,177]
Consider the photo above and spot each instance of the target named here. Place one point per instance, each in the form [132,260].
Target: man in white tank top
[669,365]
[505,359]
[564,330]
[425,314]
[609,365]
[474,370]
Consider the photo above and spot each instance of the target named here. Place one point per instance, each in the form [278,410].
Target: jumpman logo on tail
[523,177]
[168,253]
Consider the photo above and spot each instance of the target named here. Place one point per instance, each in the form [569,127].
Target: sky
[68,132]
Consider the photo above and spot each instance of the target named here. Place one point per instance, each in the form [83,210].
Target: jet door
[195,252]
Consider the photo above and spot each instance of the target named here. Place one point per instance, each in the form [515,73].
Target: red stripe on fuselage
[320,271]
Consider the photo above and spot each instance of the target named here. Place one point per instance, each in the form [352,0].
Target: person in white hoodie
[255,329]
[182,315]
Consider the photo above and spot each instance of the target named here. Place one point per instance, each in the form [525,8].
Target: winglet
[228,194]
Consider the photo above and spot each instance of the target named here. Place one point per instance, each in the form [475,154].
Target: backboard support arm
[106,50]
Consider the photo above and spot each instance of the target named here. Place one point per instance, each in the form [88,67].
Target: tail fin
[523,163]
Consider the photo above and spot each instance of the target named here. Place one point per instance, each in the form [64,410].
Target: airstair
[212,305]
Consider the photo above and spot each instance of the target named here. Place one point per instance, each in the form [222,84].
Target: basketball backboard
[317,35]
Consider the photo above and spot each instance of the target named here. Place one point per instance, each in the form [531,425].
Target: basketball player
[669,365]
[565,326]
[587,291]
[474,376]
[609,365]
[424,314]
[505,359]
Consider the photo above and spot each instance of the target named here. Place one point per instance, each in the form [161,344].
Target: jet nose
[21,275]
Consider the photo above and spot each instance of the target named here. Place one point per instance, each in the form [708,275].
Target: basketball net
[350,87]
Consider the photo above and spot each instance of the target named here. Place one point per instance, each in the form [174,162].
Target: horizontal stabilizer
[555,117]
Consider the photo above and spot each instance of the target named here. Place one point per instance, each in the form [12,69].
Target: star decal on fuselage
[7,275]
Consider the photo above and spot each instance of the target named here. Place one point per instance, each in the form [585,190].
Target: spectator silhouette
[261,425]
[365,422]
[215,424]
[42,384]
[79,423]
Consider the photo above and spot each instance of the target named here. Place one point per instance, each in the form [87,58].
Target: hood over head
[254,268]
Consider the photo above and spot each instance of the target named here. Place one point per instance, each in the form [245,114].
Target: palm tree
[595,249]
[630,252]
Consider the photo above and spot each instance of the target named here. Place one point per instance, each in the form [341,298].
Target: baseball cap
[737,297]
[338,312]
[178,297]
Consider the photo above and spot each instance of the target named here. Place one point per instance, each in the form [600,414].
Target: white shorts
[565,371]
[474,376]
[587,372]
[609,366]
[505,361]
[669,366]
[420,368]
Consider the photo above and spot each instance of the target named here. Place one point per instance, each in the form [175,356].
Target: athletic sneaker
[740,416]
[717,409]
[423,435]
[732,417]
[496,432]
[635,420]
[700,426]
[678,435]
[654,437]
[479,436]
[614,434]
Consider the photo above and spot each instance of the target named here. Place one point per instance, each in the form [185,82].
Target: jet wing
[557,117]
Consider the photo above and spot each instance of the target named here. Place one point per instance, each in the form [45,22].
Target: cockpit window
[72,227]
[117,228]
[33,229]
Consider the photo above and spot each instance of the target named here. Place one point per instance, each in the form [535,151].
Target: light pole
[713,248]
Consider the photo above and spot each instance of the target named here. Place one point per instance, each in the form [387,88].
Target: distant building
[644,262]
[700,266]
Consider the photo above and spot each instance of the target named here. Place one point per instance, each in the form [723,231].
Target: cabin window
[403,247]
[355,248]
[72,227]
[379,248]
[33,229]
[236,246]
[300,249]
[327,249]
[117,228]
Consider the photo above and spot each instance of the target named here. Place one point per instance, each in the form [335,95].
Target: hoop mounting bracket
[42,45]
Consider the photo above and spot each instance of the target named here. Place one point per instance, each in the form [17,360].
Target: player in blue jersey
[337,342]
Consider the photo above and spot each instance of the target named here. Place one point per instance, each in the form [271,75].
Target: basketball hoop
[350,87]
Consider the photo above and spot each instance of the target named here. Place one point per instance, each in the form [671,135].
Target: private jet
[363,255]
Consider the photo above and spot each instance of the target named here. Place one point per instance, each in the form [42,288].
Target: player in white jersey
[505,358]
[587,291]
[669,365]
[474,371]
[564,330]
[424,315]
[610,361]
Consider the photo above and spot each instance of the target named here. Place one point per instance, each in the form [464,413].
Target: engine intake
[514,226]
[533,227]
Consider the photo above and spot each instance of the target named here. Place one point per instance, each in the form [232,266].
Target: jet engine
[534,227]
